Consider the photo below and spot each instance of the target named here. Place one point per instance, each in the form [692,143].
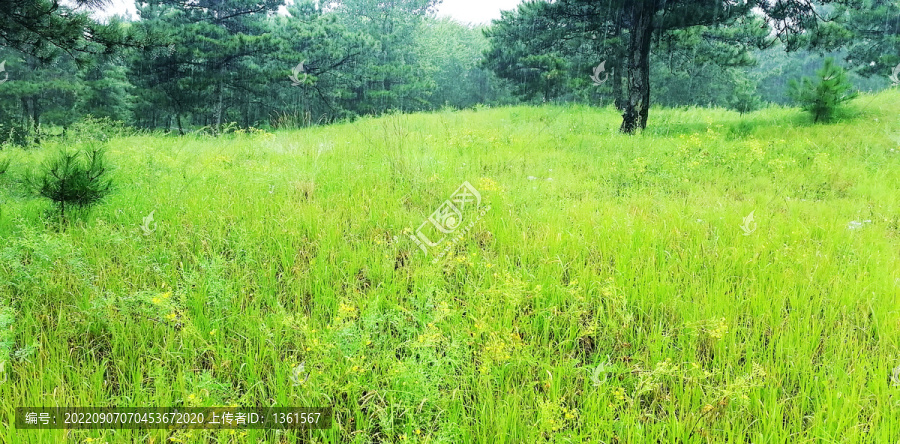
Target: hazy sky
[475,11]
[466,11]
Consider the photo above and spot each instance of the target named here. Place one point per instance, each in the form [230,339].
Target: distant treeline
[215,65]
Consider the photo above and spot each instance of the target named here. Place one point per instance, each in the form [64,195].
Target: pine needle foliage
[72,178]
[823,96]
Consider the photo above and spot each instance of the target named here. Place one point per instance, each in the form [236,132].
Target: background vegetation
[610,294]
[225,64]
[726,273]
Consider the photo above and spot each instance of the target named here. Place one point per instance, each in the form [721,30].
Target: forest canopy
[188,65]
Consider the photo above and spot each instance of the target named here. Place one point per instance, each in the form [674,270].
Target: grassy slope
[276,249]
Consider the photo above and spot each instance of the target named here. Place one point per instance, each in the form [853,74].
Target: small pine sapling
[76,178]
[826,94]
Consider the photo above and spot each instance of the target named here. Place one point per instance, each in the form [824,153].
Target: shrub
[72,178]
[826,95]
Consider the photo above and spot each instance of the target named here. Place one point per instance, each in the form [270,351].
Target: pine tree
[42,28]
[37,93]
[823,96]
[208,55]
[634,26]
[332,65]
[744,97]
[874,37]
[389,76]
[72,178]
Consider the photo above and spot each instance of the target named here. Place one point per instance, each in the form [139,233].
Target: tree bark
[619,99]
[219,105]
[637,88]
[180,128]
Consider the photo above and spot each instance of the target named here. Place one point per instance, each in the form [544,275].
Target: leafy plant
[72,178]
[823,97]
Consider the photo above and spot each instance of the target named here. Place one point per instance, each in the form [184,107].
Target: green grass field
[619,302]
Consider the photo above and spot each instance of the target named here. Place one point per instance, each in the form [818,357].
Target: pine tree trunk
[180,128]
[36,119]
[26,114]
[619,99]
[637,88]
[219,104]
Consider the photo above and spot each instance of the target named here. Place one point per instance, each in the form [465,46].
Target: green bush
[76,178]
[823,97]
